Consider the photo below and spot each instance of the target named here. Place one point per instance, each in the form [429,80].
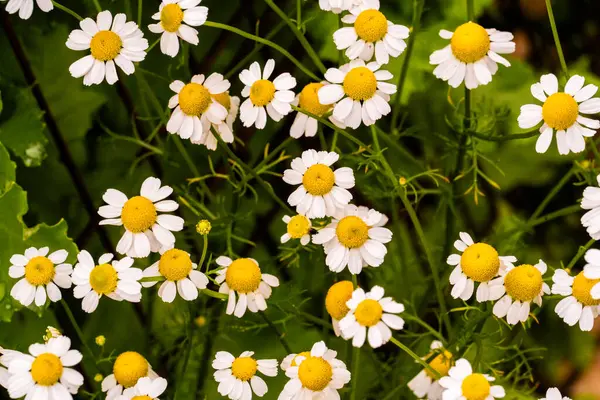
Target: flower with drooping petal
[237,377]
[335,303]
[426,385]
[579,306]
[591,201]
[298,227]
[25,7]
[145,389]
[554,394]
[128,369]
[464,384]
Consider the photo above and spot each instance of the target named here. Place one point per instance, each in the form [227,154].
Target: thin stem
[559,50]
[424,325]
[269,157]
[415,357]
[153,44]
[470,12]
[186,156]
[258,39]
[514,136]
[298,14]
[562,182]
[280,336]
[97,5]
[77,328]
[580,253]
[204,250]
[354,376]
[334,140]
[139,19]
[216,295]
[556,214]
[67,10]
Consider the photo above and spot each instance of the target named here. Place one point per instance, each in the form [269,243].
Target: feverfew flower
[298,227]
[356,239]
[145,229]
[321,191]
[244,277]
[554,394]
[237,377]
[370,33]
[591,201]
[560,112]
[335,303]
[110,42]
[372,311]
[479,262]
[116,280]
[224,129]
[425,385]
[265,96]
[25,7]
[145,389]
[591,270]
[463,383]
[308,100]
[128,369]
[472,55]
[359,93]
[180,275]
[579,305]
[174,17]
[337,6]
[41,274]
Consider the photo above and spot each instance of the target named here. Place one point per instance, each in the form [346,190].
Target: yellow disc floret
[523,283]
[309,100]
[352,232]
[298,226]
[171,17]
[39,271]
[475,387]
[315,373]
[106,45]
[175,265]
[243,275]
[144,397]
[337,296]
[480,262]
[103,279]
[262,92]
[244,368]
[560,111]
[223,99]
[194,99]
[368,312]
[441,363]
[371,26]
[138,214]
[318,180]
[470,43]
[581,290]
[360,84]
[304,354]
[129,367]
[46,369]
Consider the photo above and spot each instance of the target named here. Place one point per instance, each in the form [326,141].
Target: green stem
[97,5]
[559,50]
[139,19]
[415,357]
[153,44]
[204,250]
[553,215]
[354,375]
[562,182]
[470,12]
[334,140]
[269,157]
[67,10]
[216,295]
[77,328]
[280,336]
[186,156]
[298,14]
[580,253]
[258,39]
[424,325]
[514,136]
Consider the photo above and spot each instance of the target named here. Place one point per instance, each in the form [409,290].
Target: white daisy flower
[355,240]
[317,376]
[225,129]
[518,287]
[335,303]
[579,305]
[244,277]
[196,107]
[176,20]
[274,96]
[591,270]
[591,201]
[298,227]
[359,93]
[237,377]
[337,6]
[25,7]
[472,55]
[45,373]
[129,368]
[462,383]
[145,389]
[110,42]
[322,191]
[180,275]
[370,33]
[308,100]
[479,262]
[116,280]
[425,385]
[41,274]
[371,310]
[554,394]
[560,112]
[145,230]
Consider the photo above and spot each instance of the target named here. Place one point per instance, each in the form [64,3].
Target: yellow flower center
[480,262]
[144,397]
[175,265]
[194,99]
[171,17]
[371,26]
[244,368]
[318,180]
[315,373]
[368,312]
[298,226]
[560,111]
[352,232]
[223,99]
[129,367]
[46,369]
[103,279]
[475,387]
[470,42]
[305,354]
[523,283]
[138,214]
[262,92]
[243,275]
[39,271]
[441,363]
[105,45]
[581,290]
[337,296]
[309,99]
[360,84]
